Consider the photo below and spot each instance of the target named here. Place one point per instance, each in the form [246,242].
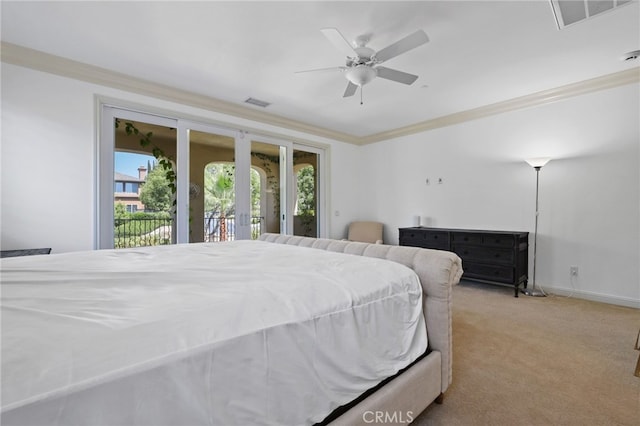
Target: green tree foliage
[306,191]
[156,193]
[119,211]
[219,192]
[255,193]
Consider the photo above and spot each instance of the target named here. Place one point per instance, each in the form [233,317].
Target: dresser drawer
[466,238]
[498,240]
[484,254]
[438,240]
[503,274]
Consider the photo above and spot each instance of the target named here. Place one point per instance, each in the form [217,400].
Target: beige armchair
[366,232]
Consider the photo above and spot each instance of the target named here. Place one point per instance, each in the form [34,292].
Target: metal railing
[140,232]
[224,229]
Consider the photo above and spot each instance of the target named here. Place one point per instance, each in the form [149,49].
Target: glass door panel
[144,171]
[268,190]
[212,187]
[135,193]
[305,177]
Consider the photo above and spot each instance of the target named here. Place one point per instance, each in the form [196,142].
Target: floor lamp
[537,164]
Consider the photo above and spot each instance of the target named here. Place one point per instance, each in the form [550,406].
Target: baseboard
[566,292]
[596,297]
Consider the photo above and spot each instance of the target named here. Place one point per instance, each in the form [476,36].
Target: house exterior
[126,190]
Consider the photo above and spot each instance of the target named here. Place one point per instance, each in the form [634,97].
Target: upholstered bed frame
[407,395]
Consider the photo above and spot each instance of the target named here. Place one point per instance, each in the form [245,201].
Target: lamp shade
[538,162]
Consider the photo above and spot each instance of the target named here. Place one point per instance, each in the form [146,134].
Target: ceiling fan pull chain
[361,88]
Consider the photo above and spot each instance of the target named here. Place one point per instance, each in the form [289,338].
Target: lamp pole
[537,164]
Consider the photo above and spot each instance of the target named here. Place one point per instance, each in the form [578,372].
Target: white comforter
[244,332]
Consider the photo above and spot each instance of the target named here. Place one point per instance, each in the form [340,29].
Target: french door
[227,184]
[238,183]
[122,131]
[217,201]
[308,198]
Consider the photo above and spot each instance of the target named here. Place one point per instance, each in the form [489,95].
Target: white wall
[589,192]
[48,159]
[47,162]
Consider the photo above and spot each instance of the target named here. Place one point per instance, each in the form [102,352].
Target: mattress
[242,332]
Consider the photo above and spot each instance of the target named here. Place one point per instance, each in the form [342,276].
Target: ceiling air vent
[257,102]
[568,12]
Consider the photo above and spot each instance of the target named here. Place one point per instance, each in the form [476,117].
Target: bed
[285,330]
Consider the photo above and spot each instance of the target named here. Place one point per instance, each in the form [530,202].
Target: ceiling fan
[363,63]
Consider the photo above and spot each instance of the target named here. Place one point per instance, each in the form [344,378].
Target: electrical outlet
[573,271]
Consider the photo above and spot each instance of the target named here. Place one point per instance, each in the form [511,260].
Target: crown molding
[41,61]
[30,58]
[535,99]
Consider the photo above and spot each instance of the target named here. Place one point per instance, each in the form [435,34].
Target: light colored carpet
[539,361]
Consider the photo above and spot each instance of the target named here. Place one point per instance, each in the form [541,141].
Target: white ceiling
[480,52]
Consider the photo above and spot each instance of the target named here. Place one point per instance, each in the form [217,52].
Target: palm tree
[219,193]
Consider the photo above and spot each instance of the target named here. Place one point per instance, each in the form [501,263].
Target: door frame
[286,170]
[321,183]
[104,235]
[241,186]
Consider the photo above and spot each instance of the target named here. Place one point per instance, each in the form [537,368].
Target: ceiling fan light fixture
[361,75]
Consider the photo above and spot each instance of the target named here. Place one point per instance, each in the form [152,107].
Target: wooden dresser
[495,257]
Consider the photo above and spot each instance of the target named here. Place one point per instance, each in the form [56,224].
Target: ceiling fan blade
[350,91]
[337,39]
[395,75]
[404,45]
[322,70]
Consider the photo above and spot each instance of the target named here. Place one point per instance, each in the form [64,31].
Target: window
[131,187]
[128,187]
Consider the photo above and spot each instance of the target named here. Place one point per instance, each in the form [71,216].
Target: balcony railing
[224,229]
[141,232]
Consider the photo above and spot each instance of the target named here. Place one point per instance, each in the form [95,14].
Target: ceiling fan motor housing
[365,54]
